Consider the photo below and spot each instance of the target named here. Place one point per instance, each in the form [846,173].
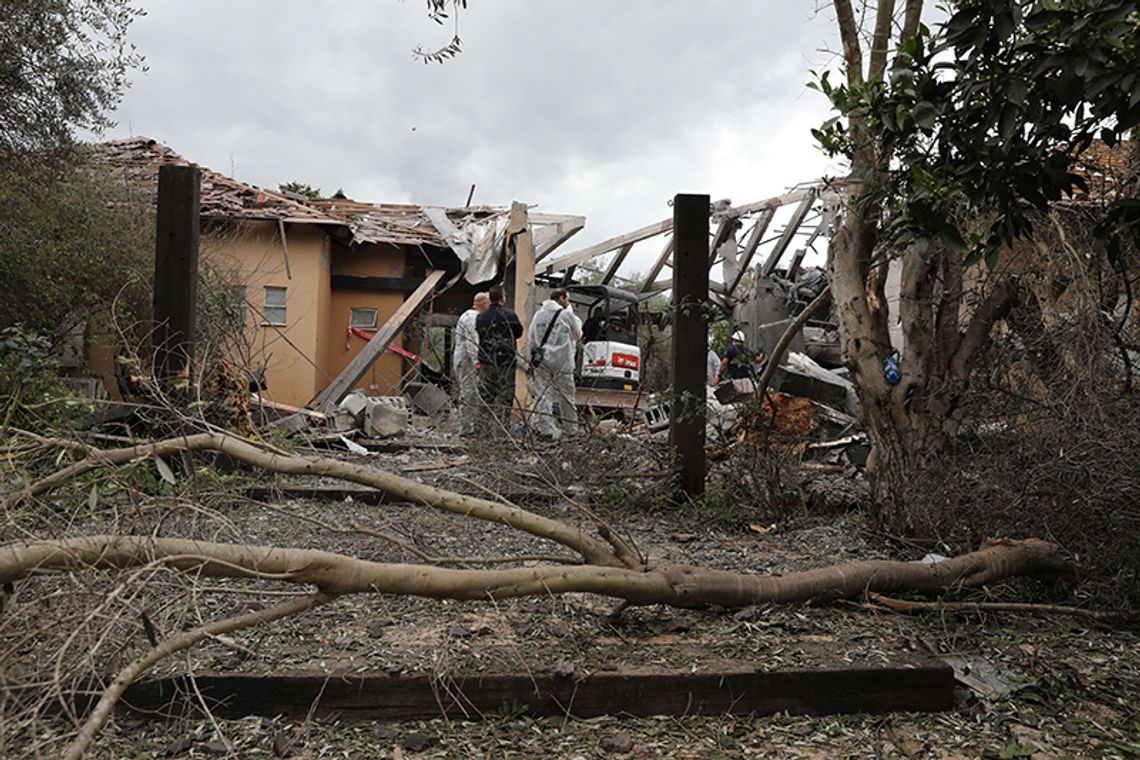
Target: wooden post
[175,270]
[690,338]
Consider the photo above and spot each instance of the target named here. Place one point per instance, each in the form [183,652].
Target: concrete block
[342,420]
[767,336]
[354,404]
[428,398]
[386,416]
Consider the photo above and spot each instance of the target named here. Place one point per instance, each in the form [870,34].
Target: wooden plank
[521,296]
[585,254]
[926,686]
[384,284]
[351,374]
[687,412]
[550,236]
[772,204]
[608,398]
[285,248]
[724,230]
[789,232]
[176,269]
[438,218]
[750,247]
[655,270]
[372,497]
[615,264]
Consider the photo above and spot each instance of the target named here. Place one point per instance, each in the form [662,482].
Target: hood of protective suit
[558,350]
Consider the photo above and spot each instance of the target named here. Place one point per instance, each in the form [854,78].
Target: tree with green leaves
[72,243]
[300,188]
[64,66]
[956,137]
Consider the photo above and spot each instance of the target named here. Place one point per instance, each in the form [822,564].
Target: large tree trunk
[945,312]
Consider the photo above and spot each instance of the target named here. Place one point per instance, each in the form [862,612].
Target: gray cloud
[593,107]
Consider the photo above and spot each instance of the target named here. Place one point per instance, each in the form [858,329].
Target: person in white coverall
[464,357]
[712,365]
[552,381]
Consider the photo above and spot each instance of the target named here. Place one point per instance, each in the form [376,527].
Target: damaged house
[314,280]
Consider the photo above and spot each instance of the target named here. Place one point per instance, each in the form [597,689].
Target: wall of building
[383,378]
[252,255]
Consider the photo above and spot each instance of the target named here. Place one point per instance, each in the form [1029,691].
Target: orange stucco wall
[302,356]
[253,256]
[368,261]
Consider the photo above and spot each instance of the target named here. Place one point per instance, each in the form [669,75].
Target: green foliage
[300,188]
[437,12]
[508,711]
[987,114]
[64,66]
[71,244]
[31,393]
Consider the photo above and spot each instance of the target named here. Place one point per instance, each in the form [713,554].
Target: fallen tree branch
[102,710]
[907,605]
[593,551]
[677,585]
[785,340]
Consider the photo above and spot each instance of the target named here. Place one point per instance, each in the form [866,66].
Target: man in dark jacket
[499,329]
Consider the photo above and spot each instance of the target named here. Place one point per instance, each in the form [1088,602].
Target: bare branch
[184,640]
[592,550]
[881,40]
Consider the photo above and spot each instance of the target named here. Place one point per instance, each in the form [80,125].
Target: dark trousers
[497,392]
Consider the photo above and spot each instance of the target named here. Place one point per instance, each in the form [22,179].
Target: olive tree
[65,64]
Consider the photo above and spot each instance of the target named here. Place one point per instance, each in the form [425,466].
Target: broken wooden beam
[343,383]
[552,231]
[585,254]
[789,232]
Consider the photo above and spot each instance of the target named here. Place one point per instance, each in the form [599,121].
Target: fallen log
[679,585]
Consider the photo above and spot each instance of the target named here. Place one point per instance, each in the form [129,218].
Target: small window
[274,312]
[362,319]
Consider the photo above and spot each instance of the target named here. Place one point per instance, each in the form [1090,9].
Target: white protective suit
[552,383]
[463,358]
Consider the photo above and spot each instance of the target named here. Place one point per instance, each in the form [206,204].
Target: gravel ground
[1072,685]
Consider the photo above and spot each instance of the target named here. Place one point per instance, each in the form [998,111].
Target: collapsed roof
[473,234]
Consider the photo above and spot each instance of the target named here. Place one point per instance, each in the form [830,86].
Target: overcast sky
[603,108]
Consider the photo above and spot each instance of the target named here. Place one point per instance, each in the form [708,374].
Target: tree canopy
[64,66]
[986,114]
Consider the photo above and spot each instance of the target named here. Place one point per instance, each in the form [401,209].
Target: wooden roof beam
[655,270]
[619,257]
[789,233]
[585,254]
[750,247]
[552,231]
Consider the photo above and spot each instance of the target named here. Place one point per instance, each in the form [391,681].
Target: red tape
[391,346]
